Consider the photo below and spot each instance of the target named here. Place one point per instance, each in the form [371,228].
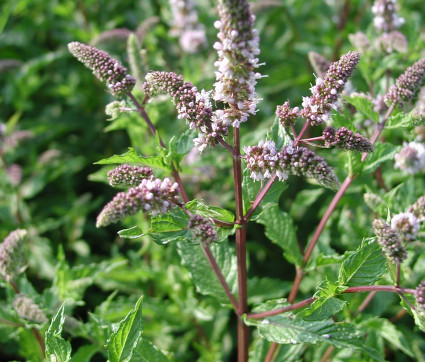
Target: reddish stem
[259,198]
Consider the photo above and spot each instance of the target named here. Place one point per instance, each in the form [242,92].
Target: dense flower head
[27,309]
[263,161]
[418,209]
[186,26]
[386,18]
[114,109]
[202,229]
[104,67]
[128,176]
[237,49]
[151,195]
[12,141]
[411,158]
[319,63]
[389,239]
[407,85]
[301,161]
[11,259]
[191,105]
[345,139]
[406,224]
[286,114]
[317,108]
[420,296]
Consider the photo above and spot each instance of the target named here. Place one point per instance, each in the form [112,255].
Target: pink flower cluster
[345,139]
[151,195]
[202,230]
[128,176]
[389,239]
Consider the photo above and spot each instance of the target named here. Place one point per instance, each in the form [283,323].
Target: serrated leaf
[383,152]
[170,227]
[55,345]
[131,233]
[147,352]
[278,134]
[363,267]
[284,330]
[342,120]
[250,189]
[124,340]
[198,207]
[280,230]
[203,277]
[131,156]
[389,332]
[399,120]
[364,106]
[261,289]
[354,163]
[326,304]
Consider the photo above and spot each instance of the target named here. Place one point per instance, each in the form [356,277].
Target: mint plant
[352,250]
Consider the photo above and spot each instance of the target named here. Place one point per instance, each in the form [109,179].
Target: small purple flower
[202,230]
[406,224]
[420,296]
[386,18]
[104,68]
[151,195]
[345,139]
[128,176]
[301,161]
[411,158]
[237,50]
[389,239]
[394,40]
[319,63]
[418,209]
[191,105]
[407,85]
[286,114]
[317,108]
[263,161]
[11,259]
[27,309]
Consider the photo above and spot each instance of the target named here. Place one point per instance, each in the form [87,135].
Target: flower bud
[389,239]
[420,296]
[27,309]
[11,259]
[202,230]
[411,158]
[345,139]
[128,176]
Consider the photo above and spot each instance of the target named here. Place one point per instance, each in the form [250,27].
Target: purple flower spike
[104,67]
[27,309]
[202,230]
[418,209]
[317,108]
[345,139]
[407,86]
[128,176]
[386,18]
[152,195]
[301,161]
[420,296]
[11,260]
[389,239]
[287,114]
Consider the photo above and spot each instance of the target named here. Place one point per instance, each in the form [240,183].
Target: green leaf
[132,233]
[280,230]
[399,120]
[170,227]
[278,134]
[85,353]
[198,207]
[124,340]
[250,189]
[364,106]
[326,305]
[383,152]
[131,156]
[55,345]
[363,267]
[354,164]
[203,277]
[147,352]
[284,330]
[178,147]
[342,120]
[261,289]
[389,331]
